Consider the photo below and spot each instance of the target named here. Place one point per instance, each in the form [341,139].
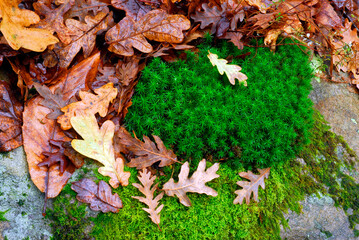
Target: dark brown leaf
[53,101]
[10,119]
[147,153]
[36,124]
[133,8]
[99,197]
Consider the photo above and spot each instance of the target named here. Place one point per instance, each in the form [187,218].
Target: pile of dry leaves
[83,58]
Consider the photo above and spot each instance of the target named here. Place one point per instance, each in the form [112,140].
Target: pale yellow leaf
[232,71]
[97,144]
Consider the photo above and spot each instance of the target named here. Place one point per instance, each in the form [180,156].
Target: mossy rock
[199,114]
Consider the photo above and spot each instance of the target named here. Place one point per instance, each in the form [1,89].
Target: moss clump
[68,216]
[198,113]
[2,215]
[210,217]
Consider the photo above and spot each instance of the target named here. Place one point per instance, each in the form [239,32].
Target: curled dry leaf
[10,119]
[196,183]
[15,26]
[147,153]
[252,186]
[90,104]
[99,196]
[152,203]
[98,145]
[232,71]
[36,124]
[156,25]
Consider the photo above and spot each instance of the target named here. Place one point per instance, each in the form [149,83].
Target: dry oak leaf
[232,71]
[152,203]
[54,18]
[51,100]
[196,184]
[156,25]
[98,145]
[83,35]
[15,28]
[252,186]
[83,8]
[134,8]
[10,119]
[147,153]
[90,104]
[99,197]
[39,130]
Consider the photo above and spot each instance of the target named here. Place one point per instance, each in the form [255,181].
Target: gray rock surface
[320,219]
[22,199]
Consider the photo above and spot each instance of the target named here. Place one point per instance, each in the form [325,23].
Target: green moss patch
[198,113]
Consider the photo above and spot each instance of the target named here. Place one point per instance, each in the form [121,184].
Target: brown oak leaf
[10,119]
[252,186]
[97,144]
[133,8]
[151,201]
[147,153]
[53,101]
[196,183]
[83,8]
[156,25]
[83,35]
[99,196]
[214,16]
[90,104]
[15,26]
[54,18]
[36,124]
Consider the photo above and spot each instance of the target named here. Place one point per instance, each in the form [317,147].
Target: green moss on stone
[67,217]
[198,113]
[2,215]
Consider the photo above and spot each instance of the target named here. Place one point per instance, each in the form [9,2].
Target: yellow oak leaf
[97,144]
[90,104]
[15,28]
[232,71]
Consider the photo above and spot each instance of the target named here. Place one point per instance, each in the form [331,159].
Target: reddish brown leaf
[83,35]
[36,124]
[327,16]
[55,157]
[10,119]
[252,186]
[147,153]
[133,8]
[235,38]
[99,197]
[156,25]
[54,20]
